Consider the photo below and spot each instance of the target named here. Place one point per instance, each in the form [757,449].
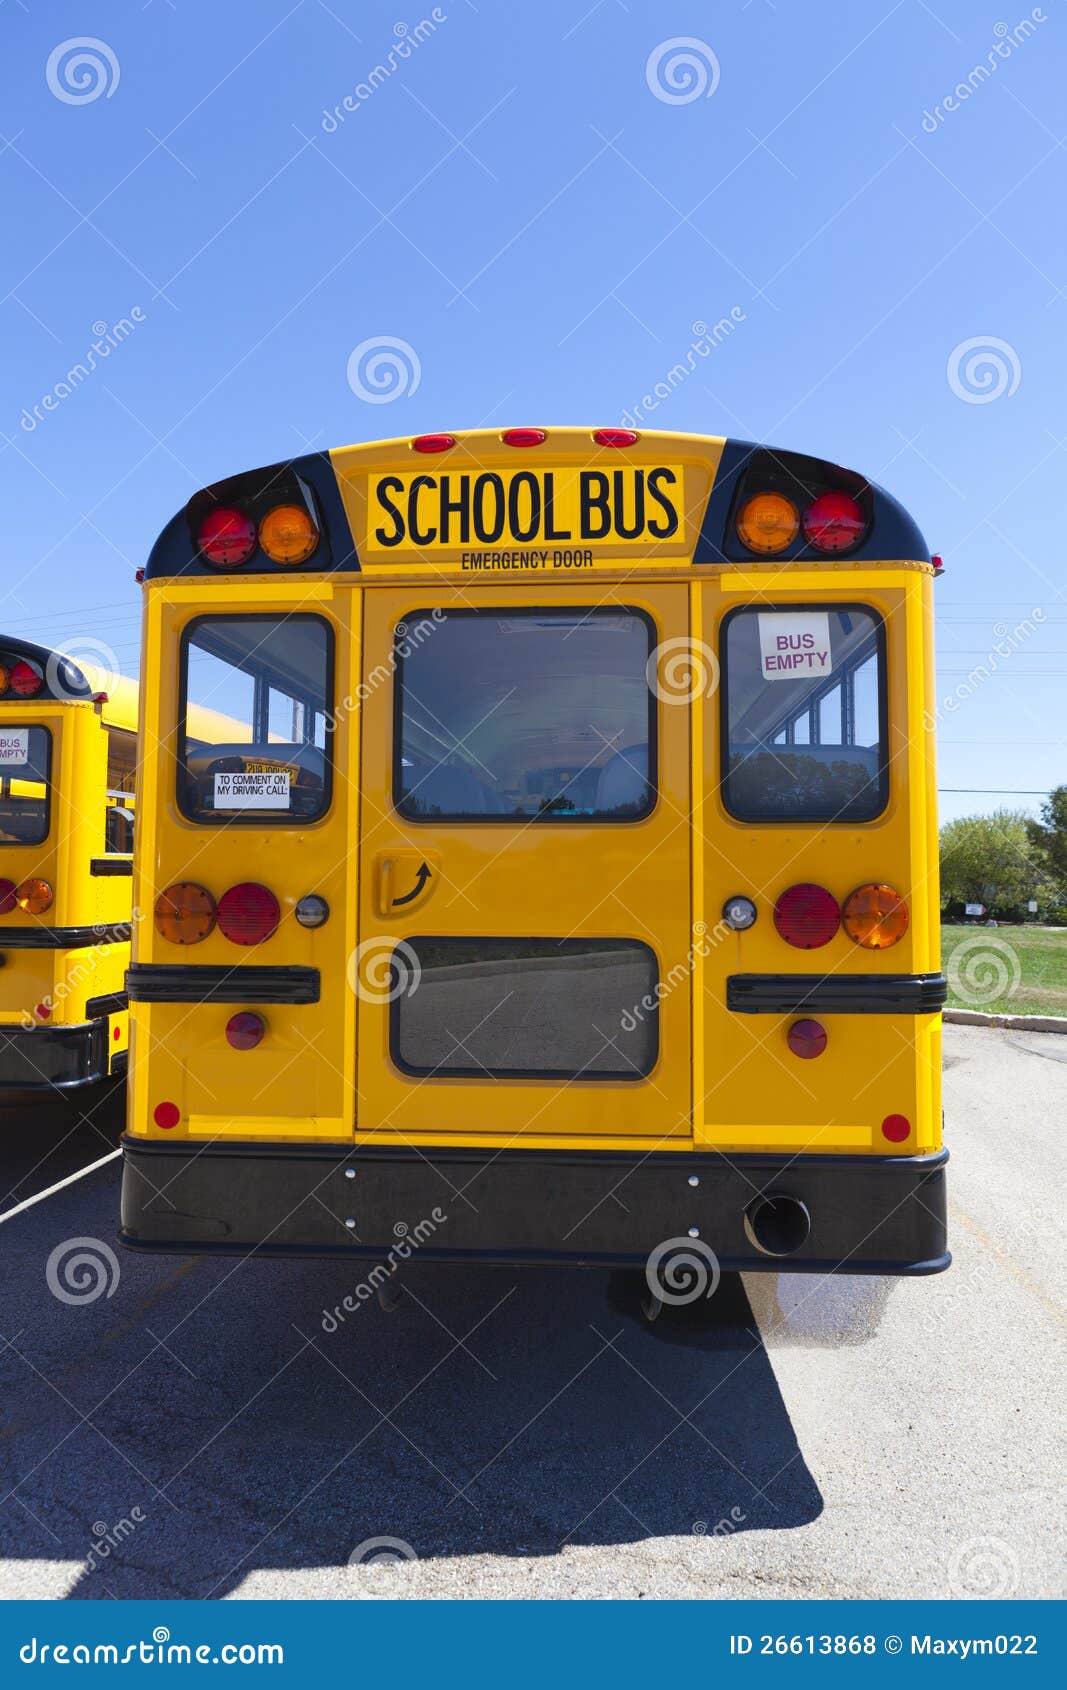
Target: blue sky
[518,202]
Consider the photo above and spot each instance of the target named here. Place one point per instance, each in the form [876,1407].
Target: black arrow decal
[421,878]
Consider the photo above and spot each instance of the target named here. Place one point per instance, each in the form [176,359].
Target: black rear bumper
[869,1214]
[53,1058]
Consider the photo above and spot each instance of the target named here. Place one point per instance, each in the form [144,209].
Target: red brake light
[806,1039]
[248,913]
[8,897]
[834,522]
[807,916]
[26,680]
[524,437]
[227,537]
[616,437]
[244,1030]
[433,442]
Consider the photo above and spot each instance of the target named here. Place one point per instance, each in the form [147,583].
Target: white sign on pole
[794,642]
[1032,906]
[974,909]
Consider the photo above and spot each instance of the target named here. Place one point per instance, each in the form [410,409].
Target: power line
[1000,791]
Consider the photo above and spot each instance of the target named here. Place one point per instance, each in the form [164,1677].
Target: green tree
[991,860]
[1048,839]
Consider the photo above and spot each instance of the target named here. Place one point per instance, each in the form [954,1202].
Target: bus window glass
[121,768]
[804,716]
[255,728]
[530,715]
[24,758]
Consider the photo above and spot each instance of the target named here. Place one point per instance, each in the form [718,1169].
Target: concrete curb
[1027,1023]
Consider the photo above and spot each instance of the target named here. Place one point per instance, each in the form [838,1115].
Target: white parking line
[39,1197]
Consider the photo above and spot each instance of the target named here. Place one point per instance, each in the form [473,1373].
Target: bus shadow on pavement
[218,1418]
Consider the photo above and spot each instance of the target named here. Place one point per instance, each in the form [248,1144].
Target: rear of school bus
[67,761]
[562,884]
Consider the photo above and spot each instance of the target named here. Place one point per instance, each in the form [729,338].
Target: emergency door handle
[405,880]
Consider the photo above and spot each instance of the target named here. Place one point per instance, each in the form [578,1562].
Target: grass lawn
[1006,970]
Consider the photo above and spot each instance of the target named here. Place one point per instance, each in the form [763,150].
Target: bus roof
[66,680]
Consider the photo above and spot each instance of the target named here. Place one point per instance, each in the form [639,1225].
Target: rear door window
[25,754]
[804,714]
[525,715]
[256,723]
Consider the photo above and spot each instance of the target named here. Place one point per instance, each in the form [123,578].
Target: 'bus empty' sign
[795,642]
[14,745]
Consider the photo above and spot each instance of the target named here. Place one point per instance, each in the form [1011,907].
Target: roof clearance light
[768,523]
[185,913]
[807,916]
[875,916]
[34,896]
[834,522]
[524,437]
[288,535]
[227,537]
[248,913]
[616,436]
[26,681]
[433,442]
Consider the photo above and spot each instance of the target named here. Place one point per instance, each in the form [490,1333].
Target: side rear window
[25,755]
[804,714]
[121,769]
[255,729]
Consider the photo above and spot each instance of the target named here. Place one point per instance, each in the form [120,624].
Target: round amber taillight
[807,916]
[768,523]
[875,916]
[185,913]
[34,896]
[248,913]
[288,535]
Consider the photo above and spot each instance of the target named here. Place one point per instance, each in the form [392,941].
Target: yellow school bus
[562,885]
[68,751]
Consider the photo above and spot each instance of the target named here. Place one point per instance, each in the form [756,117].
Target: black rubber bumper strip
[52,1058]
[868,1214]
[110,1003]
[836,994]
[64,938]
[151,982]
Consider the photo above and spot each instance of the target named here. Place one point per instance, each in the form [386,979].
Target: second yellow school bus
[558,881]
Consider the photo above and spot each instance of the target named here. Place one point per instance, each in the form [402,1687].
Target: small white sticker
[795,642]
[255,790]
[974,909]
[14,745]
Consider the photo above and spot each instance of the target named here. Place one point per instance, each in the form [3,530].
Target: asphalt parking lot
[199,1432]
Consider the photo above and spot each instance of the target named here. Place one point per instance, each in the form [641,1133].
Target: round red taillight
[896,1128]
[244,1031]
[616,436]
[433,442]
[524,437]
[806,1039]
[8,896]
[227,537]
[166,1115]
[248,913]
[26,681]
[834,522]
[807,916]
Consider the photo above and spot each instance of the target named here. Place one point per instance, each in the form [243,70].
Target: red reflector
[117,1034]
[8,899]
[433,442]
[227,537]
[806,1039]
[833,522]
[807,916]
[26,680]
[616,437]
[248,913]
[42,1011]
[896,1128]
[166,1115]
[524,437]
[245,1030]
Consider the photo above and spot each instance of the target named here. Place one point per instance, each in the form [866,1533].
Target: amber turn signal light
[875,916]
[185,913]
[34,896]
[768,523]
[288,535]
